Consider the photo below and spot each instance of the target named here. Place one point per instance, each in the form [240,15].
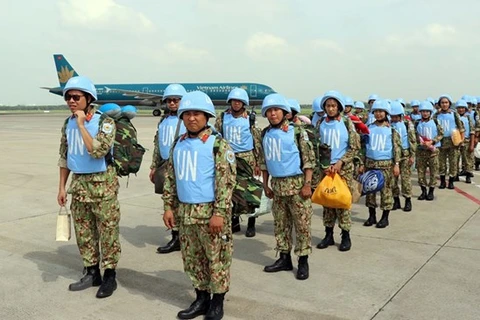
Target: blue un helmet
[359,105]
[425,106]
[373,97]
[129,111]
[294,105]
[238,94]
[348,101]
[83,84]
[446,96]
[415,103]
[474,100]
[402,102]
[431,100]
[196,101]
[396,109]
[316,107]
[275,100]
[381,105]
[112,110]
[461,104]
[332,94]
[173,90]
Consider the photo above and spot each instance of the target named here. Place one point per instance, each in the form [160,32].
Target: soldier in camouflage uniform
[237,126]
[339,133]
[383,152]
[287,155]
[167,128]
[449,120]
[408,138]
[199,183]
[468,145]
[85,143]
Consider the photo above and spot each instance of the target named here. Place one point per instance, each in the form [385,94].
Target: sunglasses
[75,97]
[174,100]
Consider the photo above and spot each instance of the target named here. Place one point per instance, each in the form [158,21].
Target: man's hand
[80,116]
[411,160]
[256,171]
[396,170]
[268,192]
[306,191]
[215,224]
[62,198]
[168,219]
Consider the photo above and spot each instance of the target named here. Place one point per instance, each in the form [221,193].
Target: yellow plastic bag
[333,192]
[456,137]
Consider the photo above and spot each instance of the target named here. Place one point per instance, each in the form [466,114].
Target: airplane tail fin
[64,70]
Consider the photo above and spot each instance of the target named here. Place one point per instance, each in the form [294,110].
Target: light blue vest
[466,124]
[195,170]
[402,130]
[166,134]
[415,117]
[237,132]
[428,129]
[334,133]
[78,159]
[281,153]
[447,121]
[379,146]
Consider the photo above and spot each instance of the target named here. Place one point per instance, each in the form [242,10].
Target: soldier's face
[461,110]
[358,110]
[76,100]
[425,114]
[396,118]
[173,103]
[347,109]
[444,104]
[194,120]
[236,105]
[331,107]
[274,115]
[415,109]
[379,115]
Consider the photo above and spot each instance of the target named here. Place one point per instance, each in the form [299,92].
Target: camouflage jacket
[225,179]
[397,151]
[291,185]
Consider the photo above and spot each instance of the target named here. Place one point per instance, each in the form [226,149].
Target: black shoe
[384,221]
[423,196]
[430,194]
[172,245]
[477,167]
[91,278]
[302,272]
[408,205]
[396,203]
[215,312]
[250,228]
[462,173]
[456,178]
[468,178]
[199,307]
[236,224]
[284,263]
[328,240]
[443,184]
[109,284]
[372,218]
[346,244]
[450,183]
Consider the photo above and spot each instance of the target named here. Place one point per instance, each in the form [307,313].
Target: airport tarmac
[425,265]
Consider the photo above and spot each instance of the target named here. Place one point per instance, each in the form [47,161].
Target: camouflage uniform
[347,172]
[427,158]
[95,207]
[468,158]
[405,167]
[206,257]
[289,208]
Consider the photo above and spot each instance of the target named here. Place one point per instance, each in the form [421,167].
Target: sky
[394,48]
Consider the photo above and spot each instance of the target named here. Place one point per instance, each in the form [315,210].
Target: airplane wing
[137,94]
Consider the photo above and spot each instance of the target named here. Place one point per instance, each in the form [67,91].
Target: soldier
[164,137]
[409,145]
[415,114]
[449,120]
[468,145]
[289,158]
[237,126]
[383,152]
[349,104]
[429,134]
[359,110]
[318,113]
[339,133]
[87,138]
[198,187]
[370,117]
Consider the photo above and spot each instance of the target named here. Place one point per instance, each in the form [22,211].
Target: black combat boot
[215,312]
[328,240]
[462,173]
[423,196]
[284,263]
[443,184]
[236,224]
[456,178]
[198,307]
[468,177]
[91,278]
[408,205]
[396,203]
[109,284]
[250,228]
[372,218]
[172,245]
[302,272]
[346,244]
[450,183]
[384,221]
[430,194]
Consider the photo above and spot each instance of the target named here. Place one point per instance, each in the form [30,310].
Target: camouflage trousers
[289,211]
[427,159]
[97,230]
[344,216]
[468,158]
[206,257]
[405,177]
[386,194]
[452,154]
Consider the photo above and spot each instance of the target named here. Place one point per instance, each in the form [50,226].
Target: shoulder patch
[230,156]
[107,128]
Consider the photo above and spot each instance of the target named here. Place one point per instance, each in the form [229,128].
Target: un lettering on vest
[466,125]
[76,146]
[425,131]
[186,165]
[378,142]
[167,135]
[273,149]
[331,137]
[233,134]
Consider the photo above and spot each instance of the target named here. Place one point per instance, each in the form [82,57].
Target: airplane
[150,94]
